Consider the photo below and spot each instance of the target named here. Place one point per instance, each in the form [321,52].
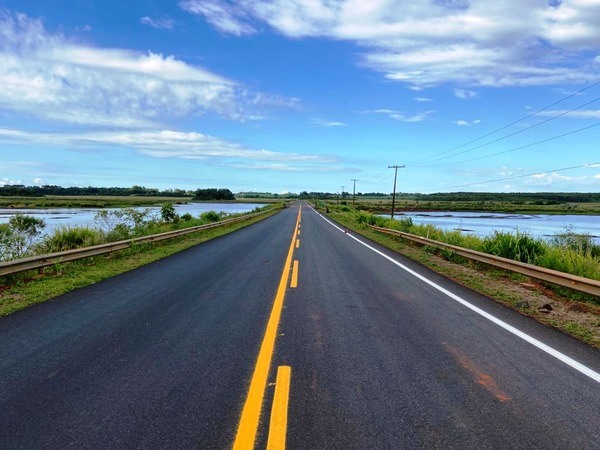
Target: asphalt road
[164,356]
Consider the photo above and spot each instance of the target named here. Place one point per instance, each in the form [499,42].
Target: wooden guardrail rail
[574,282]
[41,261]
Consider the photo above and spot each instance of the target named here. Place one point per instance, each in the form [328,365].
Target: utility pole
[354,191]
[342,194]
[394,194]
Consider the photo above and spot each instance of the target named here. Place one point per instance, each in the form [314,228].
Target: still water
[484,224]
[81,217]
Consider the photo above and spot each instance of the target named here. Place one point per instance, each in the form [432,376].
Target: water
[484,224]
[85,216]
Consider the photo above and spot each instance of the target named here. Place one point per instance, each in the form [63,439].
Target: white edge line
[546,348]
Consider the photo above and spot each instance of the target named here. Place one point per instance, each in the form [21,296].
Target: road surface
[379,353]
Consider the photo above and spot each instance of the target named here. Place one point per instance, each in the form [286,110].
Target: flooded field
[484,224]
[85,216]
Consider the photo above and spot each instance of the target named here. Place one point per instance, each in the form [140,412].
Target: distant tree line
[226,194]
[213,194]
[38,191]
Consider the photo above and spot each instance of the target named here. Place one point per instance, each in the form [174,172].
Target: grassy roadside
[578,319]
[20,291]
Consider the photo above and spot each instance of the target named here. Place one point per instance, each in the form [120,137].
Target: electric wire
[505,126]
[518,148]
[563,113]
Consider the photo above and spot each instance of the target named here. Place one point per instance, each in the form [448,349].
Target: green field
[76,201]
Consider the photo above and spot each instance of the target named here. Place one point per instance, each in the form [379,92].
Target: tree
[213,194]
[168,214]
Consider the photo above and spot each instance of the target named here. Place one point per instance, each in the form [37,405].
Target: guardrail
[574,282]
[41,261]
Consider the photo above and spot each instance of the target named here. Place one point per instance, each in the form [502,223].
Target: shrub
[69,238]
[583,264]
[581,243]
[210,216]
[168,214]
[518,247]
[18,235]
[186,217]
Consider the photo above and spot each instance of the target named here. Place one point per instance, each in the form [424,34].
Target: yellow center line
[279,410]
[297,243]
[294,282]
[248,426]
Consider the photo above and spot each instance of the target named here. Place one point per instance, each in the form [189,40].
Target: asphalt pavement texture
[162,356]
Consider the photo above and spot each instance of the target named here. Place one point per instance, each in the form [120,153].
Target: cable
[518,148]
[564,113]
[508,125]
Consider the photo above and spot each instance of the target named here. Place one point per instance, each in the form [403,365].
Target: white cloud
[328,123]
[165,23]
[475,42]
[39,181]
[221,15]
[165,144]
[9,182]
[465,94]
[467,123]
[402,117]
[577,114]
[50,77]
[423,99]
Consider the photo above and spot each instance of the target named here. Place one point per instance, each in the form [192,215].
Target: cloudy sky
[294,95]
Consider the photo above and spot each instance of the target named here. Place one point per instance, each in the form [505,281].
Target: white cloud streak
[402,117]
[577,114]
[165,23]
[328,123]
[52,78]
[168,144]
[422,44]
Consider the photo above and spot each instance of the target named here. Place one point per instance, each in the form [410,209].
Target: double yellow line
[248,426]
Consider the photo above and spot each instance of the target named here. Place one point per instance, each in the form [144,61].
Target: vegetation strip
[574,282]
[36,262]
[20,291]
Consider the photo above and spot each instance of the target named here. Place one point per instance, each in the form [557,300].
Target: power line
[511,134]
[506,126]
[518,148]
[523,176]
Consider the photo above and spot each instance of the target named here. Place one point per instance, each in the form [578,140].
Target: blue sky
[288,96]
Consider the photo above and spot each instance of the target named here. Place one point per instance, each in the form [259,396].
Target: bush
[210,216]
[583,264]
[18,235]
[518,247]
[69,238]
[168,214]
[581,243]
[186,217]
